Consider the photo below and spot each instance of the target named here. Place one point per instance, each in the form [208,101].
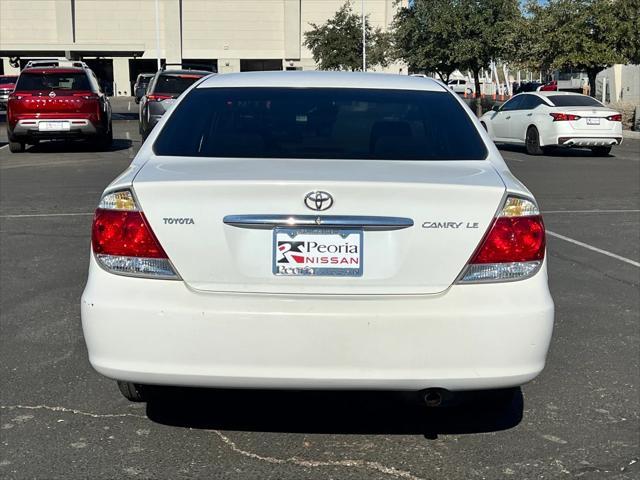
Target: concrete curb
[630,134]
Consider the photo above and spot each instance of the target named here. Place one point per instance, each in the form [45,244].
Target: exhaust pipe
[432,398]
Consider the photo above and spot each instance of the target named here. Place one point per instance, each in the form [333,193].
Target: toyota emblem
[52,94]
[318,200]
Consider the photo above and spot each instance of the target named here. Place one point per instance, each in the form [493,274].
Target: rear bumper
[573,141]
[471,337]
[28,128]
[153,121]
[564,135]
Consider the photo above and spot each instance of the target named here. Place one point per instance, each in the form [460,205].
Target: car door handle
[529,114]
[507,118]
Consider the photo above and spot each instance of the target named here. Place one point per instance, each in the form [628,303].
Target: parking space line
[32,215]
[590,211]
[594,249]
[53,163]
[4,146]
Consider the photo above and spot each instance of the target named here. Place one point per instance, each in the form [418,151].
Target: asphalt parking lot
[60,419]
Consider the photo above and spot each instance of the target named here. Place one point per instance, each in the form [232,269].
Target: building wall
[224,30]
[622,84]
[237,29]
[17,18]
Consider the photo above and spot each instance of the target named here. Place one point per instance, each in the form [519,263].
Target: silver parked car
[164,88]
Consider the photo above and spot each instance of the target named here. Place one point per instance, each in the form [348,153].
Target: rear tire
[134,392]
[16,147]
[532,141]
[105,140]
[601,151]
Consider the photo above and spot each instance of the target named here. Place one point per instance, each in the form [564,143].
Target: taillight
[86,96]
[513,247]
[123,241]
[615,118]
[157,97]
[19,96]
[563,117]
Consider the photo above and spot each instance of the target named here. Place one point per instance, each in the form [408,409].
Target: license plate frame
[54,126]
[593,121]
[285,234]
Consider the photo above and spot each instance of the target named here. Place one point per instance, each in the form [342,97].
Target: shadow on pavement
[65,146]
[555,152]
[125,116]
[329,412]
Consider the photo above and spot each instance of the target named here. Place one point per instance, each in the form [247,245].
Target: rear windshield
[175,84]
[53,81]
[573,101]
[329,123]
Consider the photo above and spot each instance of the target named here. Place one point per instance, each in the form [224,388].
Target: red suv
[58,103]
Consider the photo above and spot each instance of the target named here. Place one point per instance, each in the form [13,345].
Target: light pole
[158,33]
[364,41]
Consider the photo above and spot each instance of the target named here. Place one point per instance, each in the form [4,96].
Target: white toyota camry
[320,231]
[540,120]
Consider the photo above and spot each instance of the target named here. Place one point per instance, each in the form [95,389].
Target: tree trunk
[476,77]
[592,73]
[478,94]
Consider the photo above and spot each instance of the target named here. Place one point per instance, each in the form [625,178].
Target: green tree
[628,25]
[588,35]
[442,35]
[426,35]
[337,44]
[525,48]
[488,31]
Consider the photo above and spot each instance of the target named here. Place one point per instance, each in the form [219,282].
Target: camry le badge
[318,200]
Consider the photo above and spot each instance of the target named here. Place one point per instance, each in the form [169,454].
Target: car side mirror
[496,108]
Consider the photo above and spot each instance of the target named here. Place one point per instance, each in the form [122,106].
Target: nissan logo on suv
[318,200]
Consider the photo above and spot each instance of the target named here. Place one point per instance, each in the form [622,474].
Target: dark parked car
[140,87]
[527,87]
[164,88]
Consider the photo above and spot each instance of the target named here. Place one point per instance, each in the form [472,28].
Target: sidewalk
[630,134]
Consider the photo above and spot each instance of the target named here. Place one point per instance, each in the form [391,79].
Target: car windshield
[175,84]
[53,81]
[574,101]
[320,123]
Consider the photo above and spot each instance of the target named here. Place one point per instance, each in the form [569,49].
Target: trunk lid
[592,119]
[54,101]
[451,204]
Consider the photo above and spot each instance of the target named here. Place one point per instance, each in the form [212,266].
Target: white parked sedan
[543,119]
[461,86]
[318,230]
